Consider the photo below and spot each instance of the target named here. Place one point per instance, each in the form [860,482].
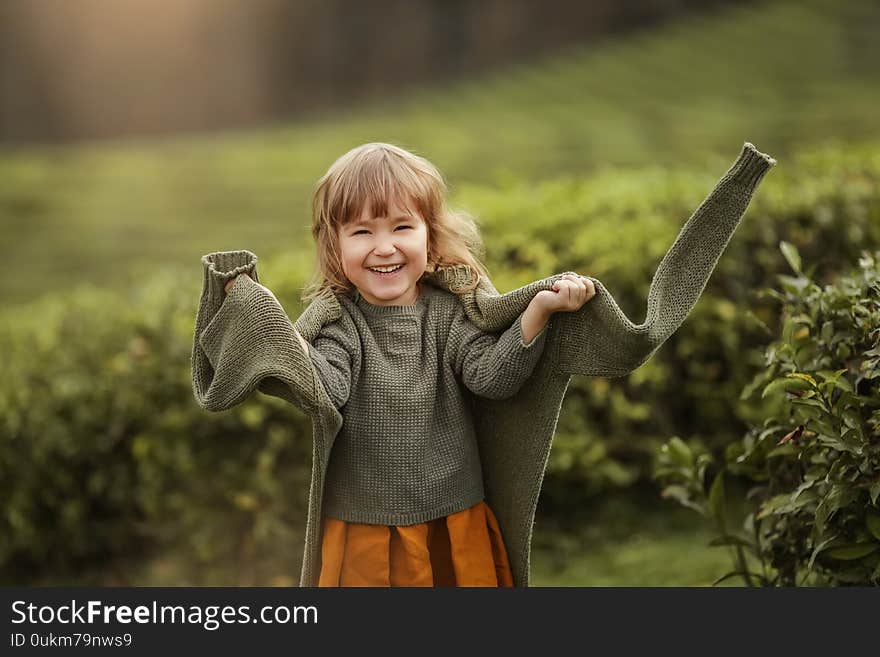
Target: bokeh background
[137,135]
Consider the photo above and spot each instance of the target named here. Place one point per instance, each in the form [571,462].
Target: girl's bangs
[374,186]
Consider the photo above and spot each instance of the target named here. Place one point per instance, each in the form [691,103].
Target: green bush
[104,454]
[813,465]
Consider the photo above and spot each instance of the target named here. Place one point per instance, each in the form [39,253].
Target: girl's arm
[330,353]
[244,340]
[600,340]
[231,283]
[494,365]
[534,319]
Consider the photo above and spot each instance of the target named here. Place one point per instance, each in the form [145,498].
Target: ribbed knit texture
[245,341]
[407,451]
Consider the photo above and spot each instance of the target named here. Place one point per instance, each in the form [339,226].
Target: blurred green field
[780,74]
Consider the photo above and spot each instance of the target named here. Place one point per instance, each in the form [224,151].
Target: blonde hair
[370,176]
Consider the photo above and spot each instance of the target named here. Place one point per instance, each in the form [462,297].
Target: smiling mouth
[387,273]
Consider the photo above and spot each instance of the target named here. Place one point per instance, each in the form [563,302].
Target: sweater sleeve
[333,361]
[244,340]
[600,340]
[494,365]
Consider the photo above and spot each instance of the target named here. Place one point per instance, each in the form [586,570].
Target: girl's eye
[358,232]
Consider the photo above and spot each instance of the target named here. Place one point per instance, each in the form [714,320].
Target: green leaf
[803,377]
[852,418]
[681,495]
[750,388]
[680,451]
[758,322]
[785,384]
[827,332]
[811,400]
[850,436]
[774,504]
[717,501]
[824,426]
[794,285]
[783,450]
[806,486]
[741,573]
[872,521]
[821,546]
[834,443]
[791,254]
[844,384]
[851,552]
[801,500]
[823,511]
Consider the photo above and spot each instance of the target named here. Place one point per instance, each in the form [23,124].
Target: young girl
[433,397]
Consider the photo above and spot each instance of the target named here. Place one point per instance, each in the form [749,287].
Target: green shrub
[104,454]
[813,465]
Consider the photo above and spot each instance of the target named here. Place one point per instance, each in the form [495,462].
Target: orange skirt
[462,549]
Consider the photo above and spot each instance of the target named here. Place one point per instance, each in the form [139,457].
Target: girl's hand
[568,294]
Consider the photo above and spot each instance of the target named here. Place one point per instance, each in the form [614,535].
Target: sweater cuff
[224,265]
[217,269]
[750,166]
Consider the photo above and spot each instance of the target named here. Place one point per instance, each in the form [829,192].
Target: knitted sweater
[407,451]
[244,341]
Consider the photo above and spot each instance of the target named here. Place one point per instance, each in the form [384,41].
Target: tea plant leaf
[784,450]
[803,377]
[785,384]
[852,552]
[680,452]
[741,573]
[872,521]
[681,495]
[774,504]
[792,256]
[821,546]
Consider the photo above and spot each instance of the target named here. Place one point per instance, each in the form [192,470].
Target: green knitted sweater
[407,451]
[244,341]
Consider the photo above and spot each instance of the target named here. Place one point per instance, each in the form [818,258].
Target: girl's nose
[385,246]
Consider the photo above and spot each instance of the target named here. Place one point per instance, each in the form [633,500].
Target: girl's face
[401,238]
